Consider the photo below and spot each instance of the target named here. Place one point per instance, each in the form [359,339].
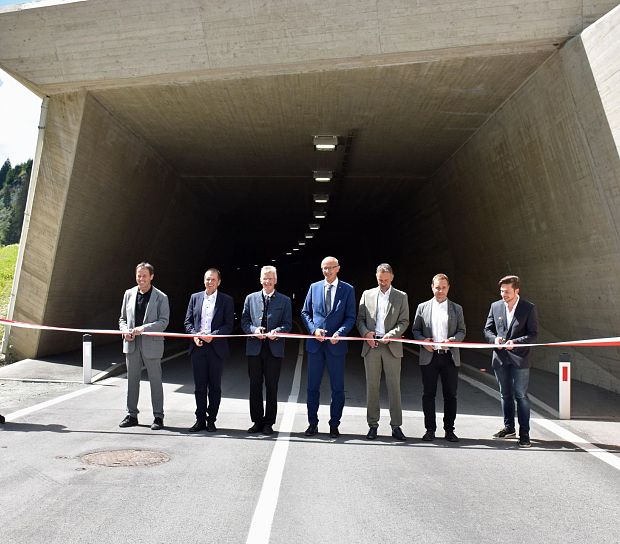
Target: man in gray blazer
[439,320]
[265,313]
[383,314]
[145,309]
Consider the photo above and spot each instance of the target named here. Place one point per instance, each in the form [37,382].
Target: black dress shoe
[256,428]
[312,430]
[398,434]
[129,421]
[1,418]
[158,424]
[372,433]
[429,436]
[211,428]
[333,432]
[198,426]
[451,437]
[267,429]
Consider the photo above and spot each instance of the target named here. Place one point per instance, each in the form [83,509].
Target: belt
[442,351]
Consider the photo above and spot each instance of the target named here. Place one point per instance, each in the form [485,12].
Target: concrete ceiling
[405,120]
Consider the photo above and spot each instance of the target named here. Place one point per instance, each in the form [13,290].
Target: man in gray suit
[145,309]
[383,314]
[265,313]
[439,320]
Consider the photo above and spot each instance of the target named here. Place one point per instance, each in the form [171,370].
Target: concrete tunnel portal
[472,156]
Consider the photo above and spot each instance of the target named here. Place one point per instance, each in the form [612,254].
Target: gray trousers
[376,360]
[135,361]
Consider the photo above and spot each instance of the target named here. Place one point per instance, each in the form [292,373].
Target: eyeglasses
[328,268]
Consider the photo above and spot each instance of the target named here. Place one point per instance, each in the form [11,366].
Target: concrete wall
[601,45]
[536,192]
[117,41]
[104,202]
[64,119]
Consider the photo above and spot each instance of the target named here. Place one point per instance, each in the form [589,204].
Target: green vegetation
[14,184]
[8,258]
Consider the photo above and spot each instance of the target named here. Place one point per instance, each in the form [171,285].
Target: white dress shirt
[439,320]
[208,308]
[382,304]
[510,314]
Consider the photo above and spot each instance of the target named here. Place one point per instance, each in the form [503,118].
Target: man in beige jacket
[383,314]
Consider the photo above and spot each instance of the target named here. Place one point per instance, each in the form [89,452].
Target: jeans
[513,384]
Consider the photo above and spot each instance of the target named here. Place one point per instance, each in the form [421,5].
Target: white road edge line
[91,387]
[46,404]
[556,429]
[262,520]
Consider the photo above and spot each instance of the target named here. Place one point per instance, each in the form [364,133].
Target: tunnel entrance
[473,156]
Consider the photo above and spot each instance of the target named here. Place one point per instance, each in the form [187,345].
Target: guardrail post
[564,378]
[87,358]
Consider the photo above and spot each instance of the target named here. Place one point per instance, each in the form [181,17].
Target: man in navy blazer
[512,321]
[328,312]
[265,313]
[209,313]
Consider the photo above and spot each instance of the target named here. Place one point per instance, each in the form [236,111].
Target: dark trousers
[207,367]
[443,366]
[316,368]
[264,367]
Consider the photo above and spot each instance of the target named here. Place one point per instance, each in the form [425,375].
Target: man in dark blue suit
[328,312]
[265,313]
[209,313]
[512,321]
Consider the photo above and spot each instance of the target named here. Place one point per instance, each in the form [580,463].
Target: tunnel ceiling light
[295,249]
[301,243]
[320,214]
[309,235]
[325,143]
[321,198]
[273,260]
[314,226]
[323,176]
[289,252]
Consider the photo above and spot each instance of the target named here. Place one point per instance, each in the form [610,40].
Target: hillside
[14,184]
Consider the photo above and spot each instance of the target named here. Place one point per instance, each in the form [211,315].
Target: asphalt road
[233,487]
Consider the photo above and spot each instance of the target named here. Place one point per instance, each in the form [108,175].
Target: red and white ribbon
[595,342]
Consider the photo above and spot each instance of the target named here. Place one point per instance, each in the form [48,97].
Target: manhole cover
[125,458]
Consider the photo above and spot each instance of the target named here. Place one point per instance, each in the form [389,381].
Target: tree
[13,196]
[6,167]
